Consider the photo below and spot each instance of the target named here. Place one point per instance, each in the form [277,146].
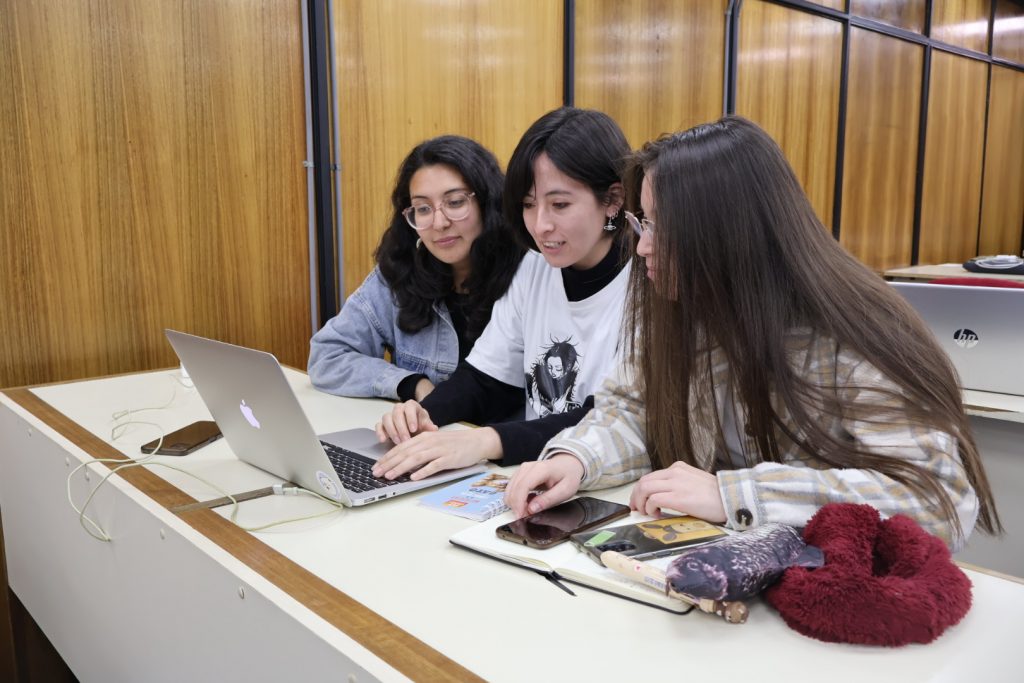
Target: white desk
[370,593]
[942,270]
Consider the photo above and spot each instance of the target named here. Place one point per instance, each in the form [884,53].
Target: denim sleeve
[346,356]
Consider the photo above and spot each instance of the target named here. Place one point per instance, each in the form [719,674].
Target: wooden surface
[833,4]
[405,653]
[1002,202]
[963,23]
[942,270]
[411,71]
[905,14]
[953,156]
[788,83]
[150,176]
[655,66]
[1008,32]
[880,162]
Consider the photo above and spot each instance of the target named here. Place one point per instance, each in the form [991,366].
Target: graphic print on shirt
[551,381]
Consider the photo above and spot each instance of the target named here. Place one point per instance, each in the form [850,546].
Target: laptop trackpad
[360,440]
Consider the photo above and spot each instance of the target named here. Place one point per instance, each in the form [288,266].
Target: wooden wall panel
[408,71]
[953,156]
[151,177]
[833,4]
[1002,202]
[1008,31]
[963,23]
[655,66]
[788,82]
[905,14]
[880,160]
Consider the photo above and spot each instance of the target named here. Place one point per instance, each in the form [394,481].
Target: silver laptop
[981,328]
[249,397]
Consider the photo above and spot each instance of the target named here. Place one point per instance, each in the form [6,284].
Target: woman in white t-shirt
[552,338]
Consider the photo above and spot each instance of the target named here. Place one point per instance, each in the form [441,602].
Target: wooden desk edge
[990,572]
[401,650]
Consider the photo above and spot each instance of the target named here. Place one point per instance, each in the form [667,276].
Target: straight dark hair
[584,144]
[417,279]
[741,260]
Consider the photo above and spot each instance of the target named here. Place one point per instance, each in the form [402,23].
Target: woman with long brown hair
[768,372]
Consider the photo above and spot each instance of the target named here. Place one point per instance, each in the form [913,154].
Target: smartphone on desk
[185,440]
[554,525]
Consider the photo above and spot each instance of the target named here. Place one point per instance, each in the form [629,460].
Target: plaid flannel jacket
[610,442]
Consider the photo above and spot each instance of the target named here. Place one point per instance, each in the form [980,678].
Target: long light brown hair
[741,262]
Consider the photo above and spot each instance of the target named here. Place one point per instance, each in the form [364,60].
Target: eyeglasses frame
[410,220]
[639,225]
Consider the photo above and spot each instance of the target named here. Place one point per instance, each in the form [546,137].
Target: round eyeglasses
[639,225]
[455,206]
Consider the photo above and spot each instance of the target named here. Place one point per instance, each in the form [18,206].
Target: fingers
[559,476]
[522,483]
[404,420]
[399,460]
[426,454]
[652,486]
[559,492]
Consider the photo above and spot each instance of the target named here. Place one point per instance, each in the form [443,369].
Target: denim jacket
[346,356]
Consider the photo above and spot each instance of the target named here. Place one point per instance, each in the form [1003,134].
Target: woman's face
[645,247]
[449,241]
[565,218]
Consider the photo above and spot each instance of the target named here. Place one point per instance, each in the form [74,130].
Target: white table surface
[501,622]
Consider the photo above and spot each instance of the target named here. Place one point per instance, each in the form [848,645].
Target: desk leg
[7,669]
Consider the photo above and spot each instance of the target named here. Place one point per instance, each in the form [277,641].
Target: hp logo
[965,338]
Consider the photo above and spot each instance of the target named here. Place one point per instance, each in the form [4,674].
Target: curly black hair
[417,279]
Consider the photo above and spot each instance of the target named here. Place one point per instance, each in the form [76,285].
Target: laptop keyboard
[355,471]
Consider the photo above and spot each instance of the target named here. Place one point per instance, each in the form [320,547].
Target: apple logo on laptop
[248,415]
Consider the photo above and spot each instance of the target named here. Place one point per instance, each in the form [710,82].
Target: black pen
[553,577]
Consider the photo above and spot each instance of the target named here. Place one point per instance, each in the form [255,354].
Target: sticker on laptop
[327,484]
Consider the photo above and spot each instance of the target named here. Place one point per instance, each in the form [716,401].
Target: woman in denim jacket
[443,261]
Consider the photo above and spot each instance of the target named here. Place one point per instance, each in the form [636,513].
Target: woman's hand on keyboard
[430,452]
[403,422]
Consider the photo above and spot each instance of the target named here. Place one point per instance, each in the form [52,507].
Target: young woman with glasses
[443,261]
[552,338]
[767,372]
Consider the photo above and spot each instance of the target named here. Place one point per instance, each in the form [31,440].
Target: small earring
[609,226]
[419,242]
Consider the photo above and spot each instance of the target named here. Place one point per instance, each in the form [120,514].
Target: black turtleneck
[470,395]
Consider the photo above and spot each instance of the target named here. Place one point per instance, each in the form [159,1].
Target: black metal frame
[320,97]
[569,52]
[732,40]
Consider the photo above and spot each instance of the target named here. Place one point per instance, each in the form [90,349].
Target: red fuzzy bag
[883,583]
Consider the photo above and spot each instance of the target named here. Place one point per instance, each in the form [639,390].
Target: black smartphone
[185,440]
[554,525]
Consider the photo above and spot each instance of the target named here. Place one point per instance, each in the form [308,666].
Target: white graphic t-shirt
[558,350]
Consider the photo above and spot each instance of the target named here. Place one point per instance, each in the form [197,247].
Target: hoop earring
[609,226]
[419,242]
